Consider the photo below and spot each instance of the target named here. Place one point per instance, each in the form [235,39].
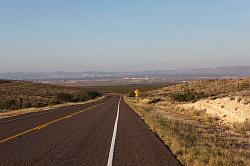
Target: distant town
[97,78]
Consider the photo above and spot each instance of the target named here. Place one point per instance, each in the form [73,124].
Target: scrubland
[203,122]
[15,95]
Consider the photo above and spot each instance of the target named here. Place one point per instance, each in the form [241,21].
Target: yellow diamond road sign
[136,93]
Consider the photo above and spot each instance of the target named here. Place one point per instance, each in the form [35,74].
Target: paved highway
[102,133]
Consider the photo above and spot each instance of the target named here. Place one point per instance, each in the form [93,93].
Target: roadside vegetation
[194,136]
[22,94]
[199,89]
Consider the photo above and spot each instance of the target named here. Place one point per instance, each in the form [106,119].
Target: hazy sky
[123,35]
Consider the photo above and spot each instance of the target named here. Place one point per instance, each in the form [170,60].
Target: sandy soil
[227,109]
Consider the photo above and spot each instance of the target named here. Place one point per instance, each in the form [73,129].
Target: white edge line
[112,146]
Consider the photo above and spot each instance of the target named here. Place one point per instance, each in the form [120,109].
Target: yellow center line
[49,123]
[41,127]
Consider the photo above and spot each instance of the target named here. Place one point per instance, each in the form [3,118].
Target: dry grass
[242,128]
[196,138]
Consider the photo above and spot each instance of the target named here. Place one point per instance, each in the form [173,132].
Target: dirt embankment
[228,109]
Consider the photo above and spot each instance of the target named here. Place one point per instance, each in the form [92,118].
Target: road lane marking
[49,123]
[112,146]
[41,127]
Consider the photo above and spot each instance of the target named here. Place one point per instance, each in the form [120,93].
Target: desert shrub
[242,128]
[54,101]
[64,97]
[79,97]
[26,104]
[131,94]
[232,98]
[10,103]
[154,101]
[186,96]
[40,104]
[4,81]
[93,94]
[239,99]
[246,102]
[244,85]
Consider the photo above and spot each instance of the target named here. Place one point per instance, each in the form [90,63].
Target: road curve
[105,132]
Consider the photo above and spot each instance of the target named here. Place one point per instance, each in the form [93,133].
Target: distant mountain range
[239,71]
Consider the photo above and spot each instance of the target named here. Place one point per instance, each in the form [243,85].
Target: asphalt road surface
[102,133]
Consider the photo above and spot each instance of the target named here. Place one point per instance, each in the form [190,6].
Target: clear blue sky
[123,35]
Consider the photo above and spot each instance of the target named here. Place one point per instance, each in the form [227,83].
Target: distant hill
[203,72]
[239,71]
